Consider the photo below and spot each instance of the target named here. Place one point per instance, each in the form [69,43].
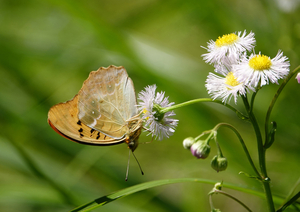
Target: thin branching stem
[242,143]
[235,199]
[289,202]
[252,100]
[166,109]
[267,120]
[261,156]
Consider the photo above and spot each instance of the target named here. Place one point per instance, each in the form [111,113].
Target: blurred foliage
[48,48]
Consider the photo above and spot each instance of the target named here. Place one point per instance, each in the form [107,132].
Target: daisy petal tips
[259,70]
[159,124]
[224,87]
[228,46]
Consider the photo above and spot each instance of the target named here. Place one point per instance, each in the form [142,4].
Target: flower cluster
[235,72]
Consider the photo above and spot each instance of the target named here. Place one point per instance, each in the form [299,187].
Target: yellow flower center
[226,40]
[231,80]
[145,111]
[260,62]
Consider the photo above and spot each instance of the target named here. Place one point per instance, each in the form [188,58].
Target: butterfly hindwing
[63,119]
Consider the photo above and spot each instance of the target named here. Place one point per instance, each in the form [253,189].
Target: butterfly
[104,112]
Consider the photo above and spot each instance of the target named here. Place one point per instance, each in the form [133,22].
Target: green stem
[274,101]
[258,136]
[261,156]
[290,199]
[220,154]
[252,99]
[235,199]
[167,109]
[202,134]
[242,143]
[211,203]
[293,190]
[288,203]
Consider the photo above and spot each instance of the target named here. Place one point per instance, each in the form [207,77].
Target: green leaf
[143,186]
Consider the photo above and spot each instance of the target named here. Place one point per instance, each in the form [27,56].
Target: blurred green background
[48,49]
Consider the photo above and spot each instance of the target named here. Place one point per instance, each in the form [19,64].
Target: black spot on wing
[80,130]
[98,135]
[73,138]
[79,122]
[92,131]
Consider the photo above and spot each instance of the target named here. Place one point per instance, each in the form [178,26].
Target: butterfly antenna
[127,171]
[138,163]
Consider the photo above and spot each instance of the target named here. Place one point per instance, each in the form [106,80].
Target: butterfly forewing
[107,101]
[63,119]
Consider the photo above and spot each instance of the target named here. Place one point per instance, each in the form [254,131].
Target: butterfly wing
[64,120]
[107,101]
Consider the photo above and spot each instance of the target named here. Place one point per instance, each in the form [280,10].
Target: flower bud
[200,149]
[219,163]
[188,142]
[218,186]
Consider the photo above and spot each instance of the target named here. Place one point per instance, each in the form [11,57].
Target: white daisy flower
[160,124]
[228,46]
[258,69]
[224,87]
